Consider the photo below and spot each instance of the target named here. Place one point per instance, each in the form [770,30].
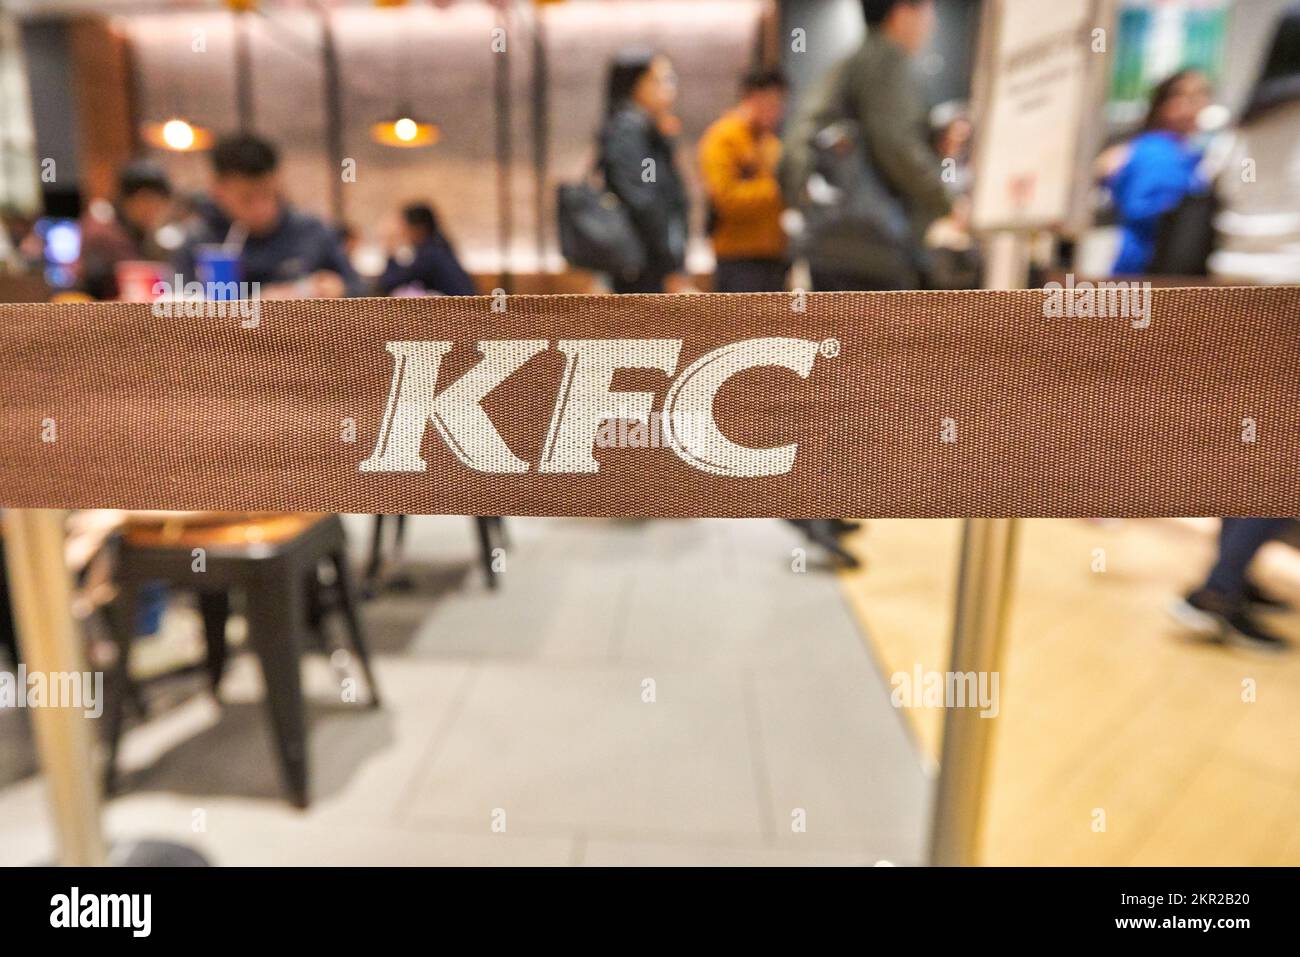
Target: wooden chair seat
[209,531]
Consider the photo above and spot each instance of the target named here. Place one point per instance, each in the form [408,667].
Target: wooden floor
[1118,741]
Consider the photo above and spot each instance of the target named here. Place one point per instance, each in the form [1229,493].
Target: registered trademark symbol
[830,348]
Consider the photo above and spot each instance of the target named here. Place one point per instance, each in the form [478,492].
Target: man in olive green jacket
[875,87]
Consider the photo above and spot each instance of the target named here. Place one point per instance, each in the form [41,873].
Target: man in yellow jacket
[739,154]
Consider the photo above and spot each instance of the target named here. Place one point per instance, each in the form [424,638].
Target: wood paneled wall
[102,87]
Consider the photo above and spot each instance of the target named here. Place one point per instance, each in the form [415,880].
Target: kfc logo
[582,403]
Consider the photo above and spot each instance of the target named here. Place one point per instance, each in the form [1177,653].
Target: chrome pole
[987,568]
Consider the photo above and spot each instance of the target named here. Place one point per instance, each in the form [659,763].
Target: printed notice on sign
[1039,63]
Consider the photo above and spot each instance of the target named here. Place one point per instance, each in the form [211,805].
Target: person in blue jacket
[288,252]
[428,265]
[1160,168]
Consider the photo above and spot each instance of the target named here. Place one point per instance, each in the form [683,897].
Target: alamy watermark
[133,912]
[211,300]
[946,689]
[83,690]
[1104,299]
[626,429]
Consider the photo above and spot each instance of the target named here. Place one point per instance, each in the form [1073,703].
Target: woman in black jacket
[636,158]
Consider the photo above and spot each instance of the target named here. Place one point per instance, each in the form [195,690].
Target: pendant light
[403,128]
[178,135]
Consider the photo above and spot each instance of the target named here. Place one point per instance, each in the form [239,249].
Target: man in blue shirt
[289,253]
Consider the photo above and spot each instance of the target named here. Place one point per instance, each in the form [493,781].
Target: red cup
[137,279]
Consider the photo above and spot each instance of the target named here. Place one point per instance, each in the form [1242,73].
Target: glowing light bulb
[405,129]
[178,134]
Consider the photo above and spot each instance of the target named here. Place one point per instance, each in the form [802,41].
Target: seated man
[125,230]
[289,253]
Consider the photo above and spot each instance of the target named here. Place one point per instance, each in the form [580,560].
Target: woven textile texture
[855,404]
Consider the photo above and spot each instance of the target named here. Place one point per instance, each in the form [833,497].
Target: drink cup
[138,279]
[218,269]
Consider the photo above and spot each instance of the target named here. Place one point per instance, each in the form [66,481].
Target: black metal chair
[491,535]
[274,561]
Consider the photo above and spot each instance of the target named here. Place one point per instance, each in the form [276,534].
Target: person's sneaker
[1194,614]
[1261,600]
[1211,616]
[1246,632]
[819,532]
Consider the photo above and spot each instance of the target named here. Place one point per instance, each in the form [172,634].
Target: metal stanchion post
[983,598]
[41,596]
[988,551]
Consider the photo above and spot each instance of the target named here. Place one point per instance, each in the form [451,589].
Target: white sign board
[1040,83]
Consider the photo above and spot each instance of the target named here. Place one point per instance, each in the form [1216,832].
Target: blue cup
[218,269]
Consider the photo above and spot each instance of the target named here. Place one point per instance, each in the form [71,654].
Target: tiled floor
[636,693]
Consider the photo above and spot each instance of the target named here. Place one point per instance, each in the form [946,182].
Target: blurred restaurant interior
[556,691]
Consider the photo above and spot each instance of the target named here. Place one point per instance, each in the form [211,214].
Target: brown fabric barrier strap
[798,405]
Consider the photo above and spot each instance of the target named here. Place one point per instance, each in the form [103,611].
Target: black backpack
[850,216]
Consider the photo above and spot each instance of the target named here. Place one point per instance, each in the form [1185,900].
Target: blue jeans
[1239,540]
